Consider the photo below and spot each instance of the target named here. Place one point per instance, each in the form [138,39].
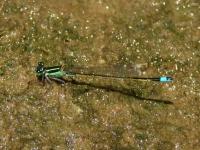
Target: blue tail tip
[166,79]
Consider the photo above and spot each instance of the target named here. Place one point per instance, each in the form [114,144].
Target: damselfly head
[40,68]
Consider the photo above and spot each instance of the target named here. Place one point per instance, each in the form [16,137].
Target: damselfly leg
[59,80]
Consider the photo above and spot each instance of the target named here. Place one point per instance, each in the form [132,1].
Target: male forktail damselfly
[56,73]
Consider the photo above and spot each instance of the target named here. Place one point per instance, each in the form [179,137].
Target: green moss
[165,145]
[2,71]
[141,136]
[11,8]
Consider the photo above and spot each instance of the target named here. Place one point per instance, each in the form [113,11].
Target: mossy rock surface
[146,38]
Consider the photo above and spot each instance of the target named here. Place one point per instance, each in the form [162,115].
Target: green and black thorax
[51,72]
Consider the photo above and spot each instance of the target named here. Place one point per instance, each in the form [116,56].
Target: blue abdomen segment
[166,79]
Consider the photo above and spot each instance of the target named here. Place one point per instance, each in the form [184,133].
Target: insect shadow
[114,89]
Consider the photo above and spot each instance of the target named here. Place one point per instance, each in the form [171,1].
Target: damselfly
[56,73]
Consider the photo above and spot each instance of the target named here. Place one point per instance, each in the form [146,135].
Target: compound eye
[40,64]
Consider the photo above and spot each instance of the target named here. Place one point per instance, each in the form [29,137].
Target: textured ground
[157,37]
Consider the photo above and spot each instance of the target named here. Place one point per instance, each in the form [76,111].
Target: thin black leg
[48,79]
